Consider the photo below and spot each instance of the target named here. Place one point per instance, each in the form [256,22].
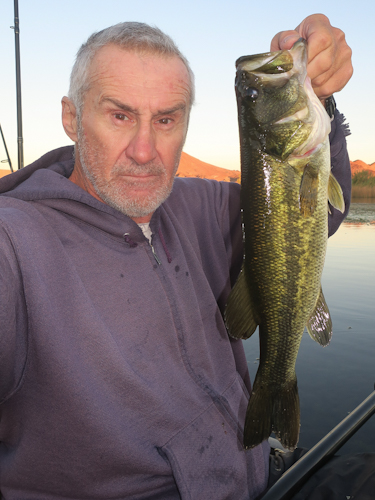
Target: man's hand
[329,56]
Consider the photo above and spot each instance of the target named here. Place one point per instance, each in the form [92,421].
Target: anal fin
[319,325]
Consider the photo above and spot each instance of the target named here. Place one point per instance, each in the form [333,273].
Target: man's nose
[142,147]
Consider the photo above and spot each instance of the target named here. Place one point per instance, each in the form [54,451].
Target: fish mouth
[250,63]
[305,119]
[274,63]
[259,74]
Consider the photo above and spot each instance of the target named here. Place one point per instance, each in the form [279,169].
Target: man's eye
[165,121]
[120,116]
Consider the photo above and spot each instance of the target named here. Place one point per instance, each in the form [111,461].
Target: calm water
[333,380]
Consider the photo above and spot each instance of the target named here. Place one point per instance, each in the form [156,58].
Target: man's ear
[69,118]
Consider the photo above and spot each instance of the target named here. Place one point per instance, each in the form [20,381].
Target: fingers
[329,56]
[284,40]
[331,68]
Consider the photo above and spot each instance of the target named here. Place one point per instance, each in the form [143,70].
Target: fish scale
[285,187]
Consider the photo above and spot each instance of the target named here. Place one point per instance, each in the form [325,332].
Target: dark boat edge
[293,479]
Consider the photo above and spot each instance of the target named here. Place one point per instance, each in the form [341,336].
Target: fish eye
[250,93]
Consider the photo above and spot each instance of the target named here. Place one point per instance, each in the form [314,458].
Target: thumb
[284,40]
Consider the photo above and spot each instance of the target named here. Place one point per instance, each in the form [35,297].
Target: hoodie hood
[60,160]
[46,182]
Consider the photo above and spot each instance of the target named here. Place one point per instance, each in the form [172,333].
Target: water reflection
[332,381]
[361,213]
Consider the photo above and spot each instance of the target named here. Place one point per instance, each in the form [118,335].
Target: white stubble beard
[113,191]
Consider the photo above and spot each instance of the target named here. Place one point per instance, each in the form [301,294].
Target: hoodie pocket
[207,457]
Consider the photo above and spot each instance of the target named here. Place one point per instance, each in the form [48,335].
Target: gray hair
[129,35]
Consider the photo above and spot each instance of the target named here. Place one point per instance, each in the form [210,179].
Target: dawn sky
[211,33]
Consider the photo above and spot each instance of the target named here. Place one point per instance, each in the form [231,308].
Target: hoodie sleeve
[340,168]
[13,319]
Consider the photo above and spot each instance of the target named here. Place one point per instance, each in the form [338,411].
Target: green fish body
[285,187]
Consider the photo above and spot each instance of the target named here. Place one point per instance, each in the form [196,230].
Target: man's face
[132,129]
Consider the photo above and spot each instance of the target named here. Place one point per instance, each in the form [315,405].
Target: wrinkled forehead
[114,65]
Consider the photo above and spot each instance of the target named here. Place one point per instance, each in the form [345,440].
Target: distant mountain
[192,167]
[4,172]
[359,166]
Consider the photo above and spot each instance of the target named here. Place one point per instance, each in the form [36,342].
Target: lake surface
[333,380]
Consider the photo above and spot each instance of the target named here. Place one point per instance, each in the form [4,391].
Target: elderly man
[117,376]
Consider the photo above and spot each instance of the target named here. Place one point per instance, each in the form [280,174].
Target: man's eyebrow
[169,111]
[118,104]
[125,107]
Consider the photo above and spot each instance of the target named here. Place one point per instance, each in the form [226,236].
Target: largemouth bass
[285,187]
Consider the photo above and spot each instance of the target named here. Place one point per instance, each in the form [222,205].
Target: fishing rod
[18,85]
[6,150]
[292,480]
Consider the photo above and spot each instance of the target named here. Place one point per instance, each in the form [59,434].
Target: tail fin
[276,410]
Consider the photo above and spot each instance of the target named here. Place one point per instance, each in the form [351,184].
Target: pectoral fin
[239,312]
[319,325]
[335,196]
[308,193]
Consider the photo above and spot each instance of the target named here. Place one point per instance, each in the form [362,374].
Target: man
[117,376]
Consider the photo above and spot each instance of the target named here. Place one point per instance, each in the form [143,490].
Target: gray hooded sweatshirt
[117,376]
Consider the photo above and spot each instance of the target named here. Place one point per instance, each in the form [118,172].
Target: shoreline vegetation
[363,185]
